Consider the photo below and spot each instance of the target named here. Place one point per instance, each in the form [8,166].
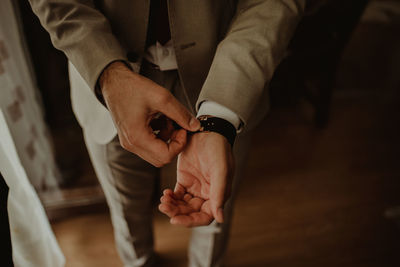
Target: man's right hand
[133,101]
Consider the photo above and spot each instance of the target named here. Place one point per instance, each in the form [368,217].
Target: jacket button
[132,57]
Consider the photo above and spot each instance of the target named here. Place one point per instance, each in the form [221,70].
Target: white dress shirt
[164,57]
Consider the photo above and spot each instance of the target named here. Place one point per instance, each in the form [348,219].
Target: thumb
[178,113]
[217,197]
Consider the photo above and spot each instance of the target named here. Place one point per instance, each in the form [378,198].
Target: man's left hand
[204,177]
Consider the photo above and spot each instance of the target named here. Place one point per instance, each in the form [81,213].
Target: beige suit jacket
[227,50]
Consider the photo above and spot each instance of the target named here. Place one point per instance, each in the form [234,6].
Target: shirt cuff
[216,110]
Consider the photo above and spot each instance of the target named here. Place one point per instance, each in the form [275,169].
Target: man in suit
[131,61]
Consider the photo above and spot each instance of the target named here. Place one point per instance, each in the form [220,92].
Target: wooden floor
[310,197]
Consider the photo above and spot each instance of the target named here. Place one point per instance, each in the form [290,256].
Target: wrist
[111,74]
[218,125]
[212,108]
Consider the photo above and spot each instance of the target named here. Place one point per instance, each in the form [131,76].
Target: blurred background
[322,186]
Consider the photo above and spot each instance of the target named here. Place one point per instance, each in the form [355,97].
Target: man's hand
[134,101]
[204,174]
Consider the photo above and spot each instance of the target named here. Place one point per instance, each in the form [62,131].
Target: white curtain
[21,103]
[33,242]
[25,150]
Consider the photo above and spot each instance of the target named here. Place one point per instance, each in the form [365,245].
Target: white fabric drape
[32,239]
[20,103]
[25,150]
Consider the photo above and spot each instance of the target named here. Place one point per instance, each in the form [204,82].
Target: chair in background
[309,69]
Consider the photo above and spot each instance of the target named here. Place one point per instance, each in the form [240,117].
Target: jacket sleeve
[246,58]
[82,32]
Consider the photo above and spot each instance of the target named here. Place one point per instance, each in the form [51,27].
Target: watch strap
[217,125]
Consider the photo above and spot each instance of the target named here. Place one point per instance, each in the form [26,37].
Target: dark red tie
[158,23]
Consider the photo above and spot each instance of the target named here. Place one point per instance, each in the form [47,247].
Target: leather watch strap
[218,125]
[214,124]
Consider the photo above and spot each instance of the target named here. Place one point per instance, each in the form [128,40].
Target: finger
[158,151]
[178,113]
[185,209]
[168,199]
[187,197]
[168,192]
[177,142]
[142,141]
[174,210]
[168,209]
[196,203]
[179,191]
[128,143]
[163,126]
[183,220]
[191,220]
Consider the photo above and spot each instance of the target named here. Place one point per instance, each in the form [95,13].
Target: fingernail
[194,124]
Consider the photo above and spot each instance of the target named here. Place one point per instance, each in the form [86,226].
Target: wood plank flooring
[310,197]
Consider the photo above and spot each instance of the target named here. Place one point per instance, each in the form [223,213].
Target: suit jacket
[226,50]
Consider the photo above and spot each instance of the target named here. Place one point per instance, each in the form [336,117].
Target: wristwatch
[217,125]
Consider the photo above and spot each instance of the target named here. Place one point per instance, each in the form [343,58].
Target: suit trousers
[129,185]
